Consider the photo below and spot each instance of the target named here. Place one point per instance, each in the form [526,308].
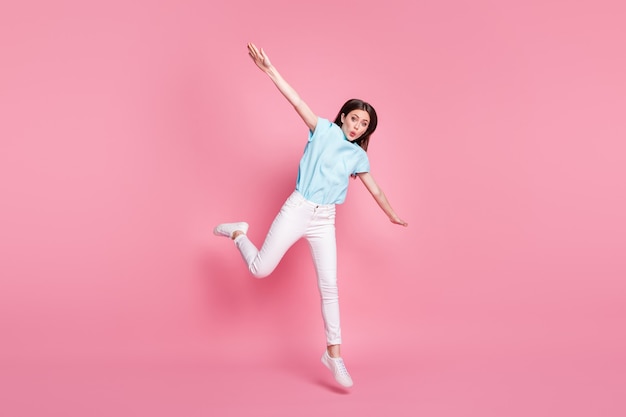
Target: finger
[252,50]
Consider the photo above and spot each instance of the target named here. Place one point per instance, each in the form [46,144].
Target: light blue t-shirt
[328,161]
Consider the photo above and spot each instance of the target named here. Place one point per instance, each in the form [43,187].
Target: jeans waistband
[300,198]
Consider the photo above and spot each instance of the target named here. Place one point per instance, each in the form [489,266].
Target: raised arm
[262,61]
[380,198]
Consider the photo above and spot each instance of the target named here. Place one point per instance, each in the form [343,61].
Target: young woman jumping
[334,152]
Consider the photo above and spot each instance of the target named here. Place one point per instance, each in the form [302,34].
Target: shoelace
[341,367]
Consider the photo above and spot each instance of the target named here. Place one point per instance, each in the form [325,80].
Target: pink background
[129,129]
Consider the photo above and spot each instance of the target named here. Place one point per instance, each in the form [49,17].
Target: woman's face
[355,124]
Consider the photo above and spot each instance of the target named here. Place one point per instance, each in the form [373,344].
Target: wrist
[271,71]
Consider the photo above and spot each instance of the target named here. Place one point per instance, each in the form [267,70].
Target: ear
[343,118]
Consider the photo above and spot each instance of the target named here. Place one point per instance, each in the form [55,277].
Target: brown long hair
[356,104]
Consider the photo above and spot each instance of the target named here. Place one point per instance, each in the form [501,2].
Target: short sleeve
[362,163]
[323,125]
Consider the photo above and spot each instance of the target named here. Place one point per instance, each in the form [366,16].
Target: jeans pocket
[294,201]
[327,214]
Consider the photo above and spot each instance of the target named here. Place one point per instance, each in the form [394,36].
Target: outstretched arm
[380,198]
[262,61]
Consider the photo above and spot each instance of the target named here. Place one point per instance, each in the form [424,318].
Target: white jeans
[316,222]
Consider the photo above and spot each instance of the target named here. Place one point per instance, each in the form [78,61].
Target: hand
[259,57]
[398,220]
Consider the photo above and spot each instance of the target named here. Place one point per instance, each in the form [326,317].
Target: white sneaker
[338,368]
[227,229]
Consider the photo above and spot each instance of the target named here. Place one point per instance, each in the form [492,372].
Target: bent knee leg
[260,270]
